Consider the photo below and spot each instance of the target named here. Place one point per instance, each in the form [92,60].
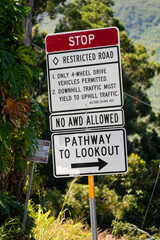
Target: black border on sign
[82,50]
[96,173]
[88,127]
[51,108]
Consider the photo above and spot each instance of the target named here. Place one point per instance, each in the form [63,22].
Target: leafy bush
[131,232]
[8,207]
[18,111]
[118,197]
[11,213]
[10,229]
[52,201]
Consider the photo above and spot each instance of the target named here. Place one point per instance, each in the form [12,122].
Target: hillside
[142,22]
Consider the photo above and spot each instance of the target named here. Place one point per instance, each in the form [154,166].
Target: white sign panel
[84,79]
[42,152]
[89,153]
[92,119]
[78,58]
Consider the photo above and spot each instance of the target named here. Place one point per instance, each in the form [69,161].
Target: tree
[87,14]
[36,7]
[137,74]
[19,112]
[137,70]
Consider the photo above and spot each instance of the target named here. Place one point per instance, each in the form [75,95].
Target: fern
[5,159]
[16,79]
[6,57]
[21,119]
[17,68]
[5,132]
[7,203]
[17,111]
[23,55]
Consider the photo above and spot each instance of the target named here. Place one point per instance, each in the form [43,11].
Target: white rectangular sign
[90,119]
[89,153]
[42,152]
[84,79]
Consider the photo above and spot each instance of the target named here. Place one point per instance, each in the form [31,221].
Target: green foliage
[17,69]
[77,201]
[11,21]
[52,201]
[131,232]
[121,197]
[149,139]
[47,227]
[138,70]
[7,205]
[21,119]
[132,188]
[142,22]
[109,204]
[11,218]
[52,7]
[137,172]
[10,230]
[88,14]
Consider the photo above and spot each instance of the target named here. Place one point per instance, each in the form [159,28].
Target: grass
[49,228]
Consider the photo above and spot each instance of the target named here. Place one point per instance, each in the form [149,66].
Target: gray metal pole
[27,198]
[92,201]
[93,218]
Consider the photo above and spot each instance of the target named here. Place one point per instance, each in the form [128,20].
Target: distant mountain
[142,21]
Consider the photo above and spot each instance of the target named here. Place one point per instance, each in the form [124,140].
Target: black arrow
[99,164]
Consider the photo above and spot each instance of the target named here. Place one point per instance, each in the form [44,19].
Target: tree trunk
[27,24]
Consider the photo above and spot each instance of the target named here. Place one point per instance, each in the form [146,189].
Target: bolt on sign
[84,70]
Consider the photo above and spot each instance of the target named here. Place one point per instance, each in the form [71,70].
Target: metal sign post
[27,198]
[41,156]
[92,201]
